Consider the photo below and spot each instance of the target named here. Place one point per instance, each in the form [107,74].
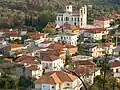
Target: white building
[52,63]
[33,71]
[102,22]
[45,44]
[69,38]
[88,73]
[81,58]
[58,81]
[94,33]
[115,68]
[77,18]
[94,50]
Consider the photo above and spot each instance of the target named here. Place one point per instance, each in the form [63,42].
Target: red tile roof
[86,63]
[69,27]
[57,77]
[35,35]
[14,46]
[116,15]
[25,58]
[103,18]
[83,70]
[47,42]
[33,67]
[50,58]
[52,52]
[70,46]
[76,13]
[115,64]
[96,30]
[12,34]
[56,46]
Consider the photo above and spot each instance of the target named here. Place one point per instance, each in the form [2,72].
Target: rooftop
[25,58]
[56,46]
[86,63]
[115,64]
[81,57]
[50,58]
[83,70]
[13,46]
[103,18]
[33,67]
[57,77]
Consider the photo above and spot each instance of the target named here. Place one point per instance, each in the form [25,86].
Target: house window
[78,19]
[58,18]
[50,65]
[75,23]
[67,19]
[53,87]
[112,70]
[81,24]
[81,19]
[64,38]
[74,19]
[116,70]
[68,84]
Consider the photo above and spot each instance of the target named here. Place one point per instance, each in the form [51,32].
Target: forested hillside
[37,13]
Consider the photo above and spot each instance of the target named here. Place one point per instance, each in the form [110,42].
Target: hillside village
[69,55]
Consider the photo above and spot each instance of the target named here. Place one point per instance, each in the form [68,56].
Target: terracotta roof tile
[83,70]
[56,46]
[50,58]
[13,46]
[47,42]
[25,58]
[70,46]
[12,34]
[33,67]
[103,18]
[96,30]
[115,64]
[52,52]
[86,63]
[57,77]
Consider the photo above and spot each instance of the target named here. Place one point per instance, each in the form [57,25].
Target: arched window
[71,19]
[78,18]
[67,19]
[75,23]
[58,18]
[74,19]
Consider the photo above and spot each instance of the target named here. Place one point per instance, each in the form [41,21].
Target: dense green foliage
[8,82]
[37,13]
[110,83]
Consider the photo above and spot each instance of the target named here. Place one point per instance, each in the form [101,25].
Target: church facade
[76,18]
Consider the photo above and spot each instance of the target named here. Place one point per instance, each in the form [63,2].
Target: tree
[110,83]
[68,60]
[16,41]
[49,30]
[81,48]
[45,17]
[94,87]
[23,38]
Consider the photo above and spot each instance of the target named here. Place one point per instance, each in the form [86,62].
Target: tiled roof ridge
[69,76]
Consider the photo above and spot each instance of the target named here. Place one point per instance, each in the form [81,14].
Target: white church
[76,18]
